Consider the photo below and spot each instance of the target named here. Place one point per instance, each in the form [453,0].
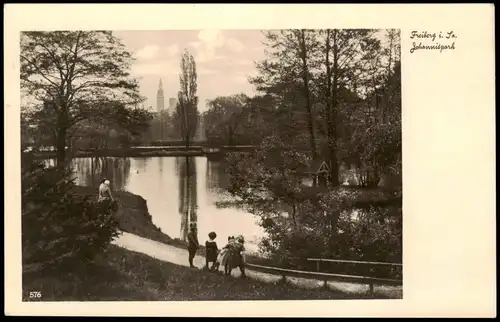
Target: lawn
[122,275]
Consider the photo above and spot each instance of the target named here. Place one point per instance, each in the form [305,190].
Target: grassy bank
[133,217]
[122,275]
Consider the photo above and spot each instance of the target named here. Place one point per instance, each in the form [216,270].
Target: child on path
[236,257]
[211,250]
[224,253]
[193,244]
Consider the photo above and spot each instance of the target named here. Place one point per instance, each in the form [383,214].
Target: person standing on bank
[193,243]
[105,196]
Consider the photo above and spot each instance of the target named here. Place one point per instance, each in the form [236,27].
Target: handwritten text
[433,40]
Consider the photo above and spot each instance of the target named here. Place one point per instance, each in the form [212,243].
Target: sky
[224,61]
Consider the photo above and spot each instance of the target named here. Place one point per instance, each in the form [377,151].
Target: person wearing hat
[193,243]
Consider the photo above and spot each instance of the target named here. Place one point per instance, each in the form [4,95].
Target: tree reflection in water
[91,171]
[216,178]
[186,168]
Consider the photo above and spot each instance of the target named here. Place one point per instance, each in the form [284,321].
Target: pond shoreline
[133,217]
[124,154]
[154,151]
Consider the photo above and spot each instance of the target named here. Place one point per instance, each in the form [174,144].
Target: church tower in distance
[160,99]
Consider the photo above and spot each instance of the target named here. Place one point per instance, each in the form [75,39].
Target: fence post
[371,289]
[283,278]
[317,266]
[325,284]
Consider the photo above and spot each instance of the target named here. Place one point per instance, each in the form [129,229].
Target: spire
[160,90]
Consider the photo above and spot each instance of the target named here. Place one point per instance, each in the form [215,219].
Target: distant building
[160,107]
[160,99]
[172,103]
[200,131]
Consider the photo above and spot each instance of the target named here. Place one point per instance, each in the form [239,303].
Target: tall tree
[287,75]
[305,51]
[187,115]
[345,54]
[226,116]
[374,140]
[344,72]
[73,76]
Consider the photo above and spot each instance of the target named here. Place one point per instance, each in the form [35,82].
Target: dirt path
[179,256]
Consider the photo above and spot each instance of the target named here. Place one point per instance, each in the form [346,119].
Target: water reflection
[186,169]
[217,180]
[178,191]
[141,165]
[91,171]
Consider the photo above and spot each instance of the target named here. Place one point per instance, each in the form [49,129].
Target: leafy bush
[60,227]
[303,222]
[372,235]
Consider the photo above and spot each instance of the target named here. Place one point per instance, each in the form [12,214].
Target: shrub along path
[179,256]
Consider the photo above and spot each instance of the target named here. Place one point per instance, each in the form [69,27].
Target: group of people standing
[229,257]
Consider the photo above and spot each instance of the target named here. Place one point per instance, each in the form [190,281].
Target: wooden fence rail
[352,262]
[326,260]
[326,277]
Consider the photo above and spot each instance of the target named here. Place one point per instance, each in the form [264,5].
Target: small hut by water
[319,172]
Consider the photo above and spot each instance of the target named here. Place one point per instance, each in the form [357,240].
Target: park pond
[178,190]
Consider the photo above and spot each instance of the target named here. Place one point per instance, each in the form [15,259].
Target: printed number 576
[35,295]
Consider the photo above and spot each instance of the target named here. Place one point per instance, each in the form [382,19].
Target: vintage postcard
[249,160]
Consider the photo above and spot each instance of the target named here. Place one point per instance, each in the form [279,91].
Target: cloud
[244,62]
[167,68]
[207,71]
[241,79]
[211,38]
[172,50]
[207,56]
[148,52]
[211,41]
[195,44]
[234,44]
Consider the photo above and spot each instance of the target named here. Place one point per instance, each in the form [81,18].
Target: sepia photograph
[249,160]
[215,164]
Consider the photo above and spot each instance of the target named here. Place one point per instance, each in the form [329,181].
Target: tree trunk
[332,240]
[294,210]
[229,136]
[61,147]
[329,109]
[332,128]
[186,135]
[305,79]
